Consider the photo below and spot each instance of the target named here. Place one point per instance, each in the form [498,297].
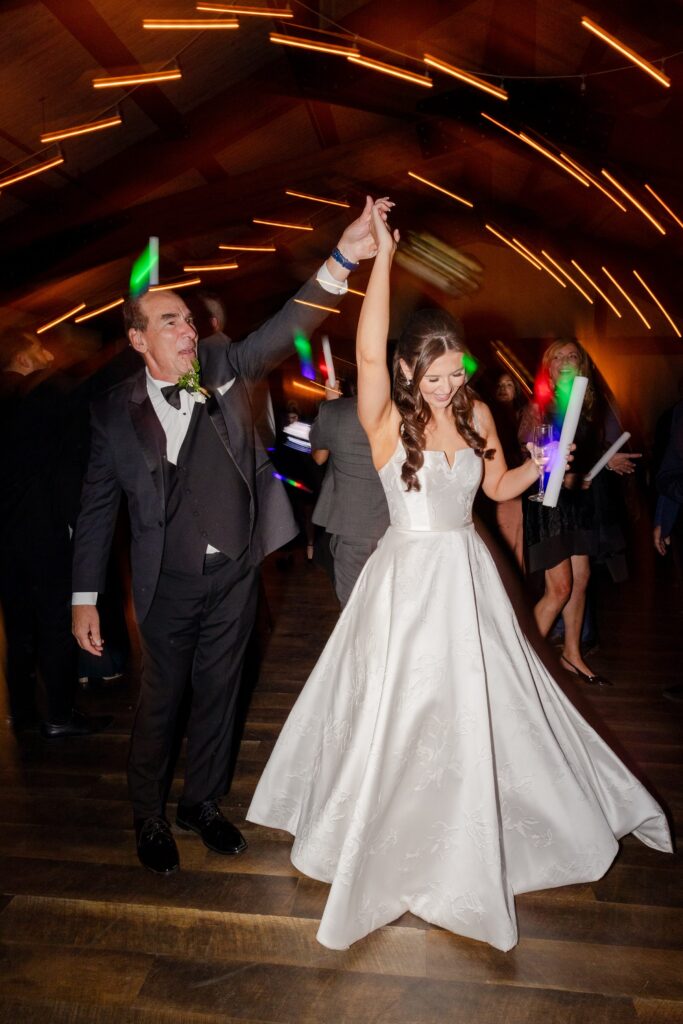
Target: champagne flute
[540,453]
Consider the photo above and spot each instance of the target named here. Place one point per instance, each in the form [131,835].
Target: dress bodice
[446,495]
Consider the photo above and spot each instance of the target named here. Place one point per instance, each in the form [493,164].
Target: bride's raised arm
[374,384]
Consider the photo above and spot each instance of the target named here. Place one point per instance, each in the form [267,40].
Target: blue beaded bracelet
[340,258]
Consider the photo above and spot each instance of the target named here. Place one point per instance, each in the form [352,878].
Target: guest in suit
[352,507]
[204,510]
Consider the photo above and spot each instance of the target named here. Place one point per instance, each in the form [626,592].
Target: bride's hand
[385,239]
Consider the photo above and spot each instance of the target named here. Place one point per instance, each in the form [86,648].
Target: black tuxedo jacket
[128,446]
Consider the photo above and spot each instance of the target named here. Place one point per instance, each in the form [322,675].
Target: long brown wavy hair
[584,369]
[429,333]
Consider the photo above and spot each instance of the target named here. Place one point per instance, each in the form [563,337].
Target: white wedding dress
[431,764]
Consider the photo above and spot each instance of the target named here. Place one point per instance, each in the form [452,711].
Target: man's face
[169,342]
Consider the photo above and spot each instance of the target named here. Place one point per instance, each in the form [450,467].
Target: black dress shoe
[156,846]
[77,724]
[206,819]
[592,680]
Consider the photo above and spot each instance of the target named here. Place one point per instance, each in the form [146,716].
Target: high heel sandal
[592,680]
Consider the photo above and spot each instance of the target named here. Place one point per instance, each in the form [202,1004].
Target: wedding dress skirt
[431,764]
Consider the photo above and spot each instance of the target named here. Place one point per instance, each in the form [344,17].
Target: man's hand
[358,242]
[661,543]
[622,463]
[85,626]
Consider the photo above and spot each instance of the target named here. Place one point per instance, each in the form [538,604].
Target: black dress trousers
[197,629]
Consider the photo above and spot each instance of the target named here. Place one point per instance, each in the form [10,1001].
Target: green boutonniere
[190,381]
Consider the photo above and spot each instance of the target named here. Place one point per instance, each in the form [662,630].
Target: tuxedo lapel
[150,433]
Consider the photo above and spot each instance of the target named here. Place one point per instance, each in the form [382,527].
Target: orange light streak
[314,305]
[175,285]
[100,309]
[593,181]
[568,276]
[312,386]
[144,78]
[81,129]
[632,199]
[349,291]
[597,288]
[667,208]
[393,70]
[248,248]
[512,370]
[626,296]
[259,12]
[198,24]
[313,44]
[317,199]
[196,267]
[555,159]
[38,169]
[280,224]
[465,76]
[499,124]
[620,47]
[541,264]
[438,188]
[514,248]
[60,319]
[531,255]
[656,300]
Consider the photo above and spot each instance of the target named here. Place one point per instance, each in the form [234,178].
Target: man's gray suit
[352,506]
[128,457]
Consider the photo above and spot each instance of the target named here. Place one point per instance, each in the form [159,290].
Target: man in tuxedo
[204,510]
[352,506]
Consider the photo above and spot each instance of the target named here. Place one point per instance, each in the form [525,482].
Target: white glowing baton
[153,259]
[569,425]
[604,459]
[327,352]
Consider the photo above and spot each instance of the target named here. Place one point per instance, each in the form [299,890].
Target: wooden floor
[90,937]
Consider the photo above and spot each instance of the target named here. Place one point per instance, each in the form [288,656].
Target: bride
[431,764]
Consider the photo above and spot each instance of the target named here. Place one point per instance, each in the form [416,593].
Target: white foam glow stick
[153,259]
[327,352]
[604,459]
[569,425]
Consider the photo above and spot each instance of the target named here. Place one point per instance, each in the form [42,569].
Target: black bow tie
[171,393]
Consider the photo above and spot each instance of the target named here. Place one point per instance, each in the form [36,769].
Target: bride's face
[441,381]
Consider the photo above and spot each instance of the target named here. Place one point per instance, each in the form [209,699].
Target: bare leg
[573,612]
[558,589]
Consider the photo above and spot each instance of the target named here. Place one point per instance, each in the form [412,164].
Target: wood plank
[36,972]
[49,1011]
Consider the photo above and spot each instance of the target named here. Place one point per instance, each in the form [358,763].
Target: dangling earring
[409,381]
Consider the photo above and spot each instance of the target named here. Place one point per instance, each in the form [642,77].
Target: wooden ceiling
[195,160]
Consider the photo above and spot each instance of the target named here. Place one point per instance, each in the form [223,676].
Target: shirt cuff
[84,597]
[329,283]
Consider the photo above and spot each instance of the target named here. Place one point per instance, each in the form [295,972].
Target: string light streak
[393,70]
[512,370]
[540,262]
[465,76]
[143,78]
[438,188]
[248,248]
[555,159]
[314,305]
[593,181]
[96,312]
[349,291]
[249,11]
[175,285]
[280,224]
[38,169]
[657,302]
[568,276]
[597,288]
[667,208]
[318,199]
[499,124]
[60,319]
[198,24]
[620,47]
[632,199]
[312,385]
[534,263]
[313,44]
[81,129]
[626,296]
[198,267]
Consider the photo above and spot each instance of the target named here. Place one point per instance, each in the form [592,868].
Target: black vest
[207,499]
